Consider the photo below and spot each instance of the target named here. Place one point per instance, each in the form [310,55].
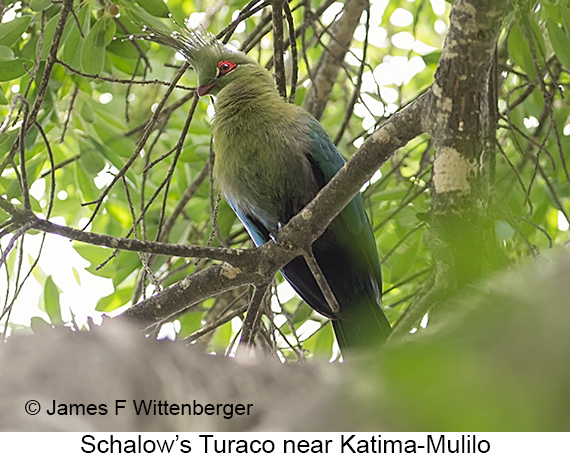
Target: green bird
[271,159]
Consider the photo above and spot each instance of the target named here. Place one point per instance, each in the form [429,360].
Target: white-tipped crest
[187,41]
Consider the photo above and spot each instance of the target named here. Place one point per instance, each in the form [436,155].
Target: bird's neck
[250,98]
[250,117]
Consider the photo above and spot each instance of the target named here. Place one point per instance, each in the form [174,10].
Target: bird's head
[216,65]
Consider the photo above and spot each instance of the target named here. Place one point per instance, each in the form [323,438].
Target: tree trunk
[462,124]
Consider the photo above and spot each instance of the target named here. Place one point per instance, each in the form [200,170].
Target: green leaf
[13,69]
[324,339]
[110,30]
[110,154]
[34,167]
[37,324]
[38,273]
[221,338]
[93,254]
[432,59]
[93,54]
[520,52]
[31,138]
[6,141]
[49,33]
[394,193]
[226,219]
[155,7]
[127,262]
[115,143]
[76,276]
[6,53]
[51,301]
[72,48]
[128,66]
[40,5]
[560,42]
[124,49]
[116,299]
[189,323]
[138,15]
[11,32]
[90,158]
[85,184]
[86,109]
[403,262]
[565,13]
[3,99]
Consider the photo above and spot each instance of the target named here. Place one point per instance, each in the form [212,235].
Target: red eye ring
[225,66]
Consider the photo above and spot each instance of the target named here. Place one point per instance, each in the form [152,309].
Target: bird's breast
[262,165]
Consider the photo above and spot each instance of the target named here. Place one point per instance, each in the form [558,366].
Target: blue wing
[352,222]
[348,257]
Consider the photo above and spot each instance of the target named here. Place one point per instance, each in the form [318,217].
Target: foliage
[108,148]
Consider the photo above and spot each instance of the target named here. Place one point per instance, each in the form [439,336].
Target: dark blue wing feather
[347,255]
[353,219]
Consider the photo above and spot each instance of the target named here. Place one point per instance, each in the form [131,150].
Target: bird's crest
[188,41]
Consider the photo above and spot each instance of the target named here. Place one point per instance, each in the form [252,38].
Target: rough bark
[459,119]
[460,104]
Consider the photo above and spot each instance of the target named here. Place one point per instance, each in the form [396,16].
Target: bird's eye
[225,66]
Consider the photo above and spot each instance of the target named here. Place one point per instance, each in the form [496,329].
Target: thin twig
[214,325]
[294,52]
[322,281]
[68,113]
[277,19]
[254,312]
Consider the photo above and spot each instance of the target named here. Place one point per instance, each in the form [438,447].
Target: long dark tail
[361,322]
[363,325]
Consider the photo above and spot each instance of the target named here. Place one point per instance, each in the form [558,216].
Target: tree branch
[237,257]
